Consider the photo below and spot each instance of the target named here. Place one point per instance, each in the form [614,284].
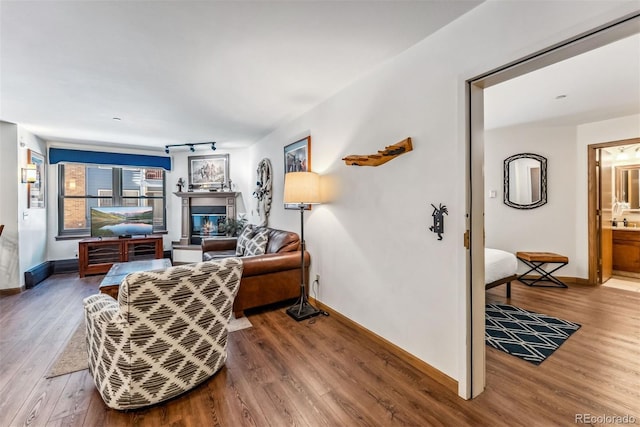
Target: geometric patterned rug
[525,334]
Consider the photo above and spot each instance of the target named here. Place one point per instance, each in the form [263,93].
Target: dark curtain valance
[57,155]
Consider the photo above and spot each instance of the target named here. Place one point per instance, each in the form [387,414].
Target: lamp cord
[316,282]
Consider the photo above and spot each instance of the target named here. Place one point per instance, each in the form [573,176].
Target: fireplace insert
[206,221]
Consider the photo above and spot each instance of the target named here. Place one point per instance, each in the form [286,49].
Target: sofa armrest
[271,263]
[219,244]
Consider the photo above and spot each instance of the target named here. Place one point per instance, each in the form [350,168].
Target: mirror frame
[618,171]
[543,181]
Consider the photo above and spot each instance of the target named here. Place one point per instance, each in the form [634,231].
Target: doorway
[605,205]
[475,178]
[601,210]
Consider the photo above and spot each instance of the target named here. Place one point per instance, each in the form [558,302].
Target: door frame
[587,41]
[592,203]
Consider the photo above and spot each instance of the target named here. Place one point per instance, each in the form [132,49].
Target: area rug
[74,356]
[525,334]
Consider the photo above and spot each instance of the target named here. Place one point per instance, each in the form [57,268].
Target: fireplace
[202,214]
[206,221]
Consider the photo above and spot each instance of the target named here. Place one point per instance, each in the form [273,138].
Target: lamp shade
[302,188]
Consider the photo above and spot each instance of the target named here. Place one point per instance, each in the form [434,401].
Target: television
[121,221]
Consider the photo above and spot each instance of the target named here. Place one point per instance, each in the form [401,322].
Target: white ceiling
[232,71]
[181,71]
[598,85]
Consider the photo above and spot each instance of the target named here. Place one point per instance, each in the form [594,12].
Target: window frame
[117,197]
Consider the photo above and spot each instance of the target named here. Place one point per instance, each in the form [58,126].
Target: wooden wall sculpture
[383,156]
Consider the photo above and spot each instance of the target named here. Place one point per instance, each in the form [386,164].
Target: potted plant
[232,227]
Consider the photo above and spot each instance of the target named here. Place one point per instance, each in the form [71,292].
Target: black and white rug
[525,334]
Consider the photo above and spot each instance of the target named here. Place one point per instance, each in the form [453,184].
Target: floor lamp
[302,189]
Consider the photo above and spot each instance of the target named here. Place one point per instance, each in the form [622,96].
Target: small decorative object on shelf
[383,156]
[180,184]
[438,219]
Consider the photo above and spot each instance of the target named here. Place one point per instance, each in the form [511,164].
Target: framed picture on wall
[297,158]
[206,172]
[36,190]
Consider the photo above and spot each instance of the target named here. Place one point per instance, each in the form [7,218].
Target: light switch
[493,194]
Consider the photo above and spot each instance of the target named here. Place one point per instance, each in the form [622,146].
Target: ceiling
[597,85]
[147,74]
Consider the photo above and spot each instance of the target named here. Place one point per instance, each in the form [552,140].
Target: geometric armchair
[166,334]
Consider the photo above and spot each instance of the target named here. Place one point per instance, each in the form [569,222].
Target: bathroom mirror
[525,181]
[627,185]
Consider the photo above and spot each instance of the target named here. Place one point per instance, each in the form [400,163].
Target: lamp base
[301,313]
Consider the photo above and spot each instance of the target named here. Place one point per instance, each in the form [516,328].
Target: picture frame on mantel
[297,158]
[36,190]
[208,172]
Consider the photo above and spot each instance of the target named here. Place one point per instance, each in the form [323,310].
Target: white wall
[32,222]
[23,242]
[548,228]
[9,176]
[379,264]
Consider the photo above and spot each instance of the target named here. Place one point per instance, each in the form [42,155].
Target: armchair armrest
[101,310]
[271,263]
[219,244]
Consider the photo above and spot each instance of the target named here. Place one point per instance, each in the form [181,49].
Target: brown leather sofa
[268,278]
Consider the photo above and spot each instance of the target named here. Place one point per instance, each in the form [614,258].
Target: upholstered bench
[536,261]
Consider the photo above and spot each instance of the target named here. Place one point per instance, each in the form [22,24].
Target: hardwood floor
[325,373]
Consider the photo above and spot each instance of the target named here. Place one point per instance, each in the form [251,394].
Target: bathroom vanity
[626,249]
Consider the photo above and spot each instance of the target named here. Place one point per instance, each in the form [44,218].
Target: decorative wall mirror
[525,181]
[627,189]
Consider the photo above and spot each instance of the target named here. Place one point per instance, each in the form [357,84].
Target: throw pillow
[258,243]
[243,239]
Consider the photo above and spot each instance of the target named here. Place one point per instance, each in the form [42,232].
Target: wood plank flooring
[325,373]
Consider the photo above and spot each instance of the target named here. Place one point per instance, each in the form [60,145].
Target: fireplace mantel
[203,198]
[216,194]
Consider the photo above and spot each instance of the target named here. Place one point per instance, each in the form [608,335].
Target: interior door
[604,168]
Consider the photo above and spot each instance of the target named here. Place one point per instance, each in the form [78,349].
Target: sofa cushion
[209,256]
[243,239]
[258,243]
[282,241]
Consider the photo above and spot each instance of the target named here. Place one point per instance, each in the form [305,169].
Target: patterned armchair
[166,334]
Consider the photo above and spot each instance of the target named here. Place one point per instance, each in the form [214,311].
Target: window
[85,186]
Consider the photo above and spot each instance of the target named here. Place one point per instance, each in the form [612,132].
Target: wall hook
[438,219]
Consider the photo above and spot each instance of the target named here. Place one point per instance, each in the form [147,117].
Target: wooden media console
[97,255]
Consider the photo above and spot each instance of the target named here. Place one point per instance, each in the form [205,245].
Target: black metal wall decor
[438,219]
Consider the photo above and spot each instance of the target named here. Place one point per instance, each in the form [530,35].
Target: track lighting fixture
[191,145]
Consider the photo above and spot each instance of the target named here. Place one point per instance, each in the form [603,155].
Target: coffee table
[111,282]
